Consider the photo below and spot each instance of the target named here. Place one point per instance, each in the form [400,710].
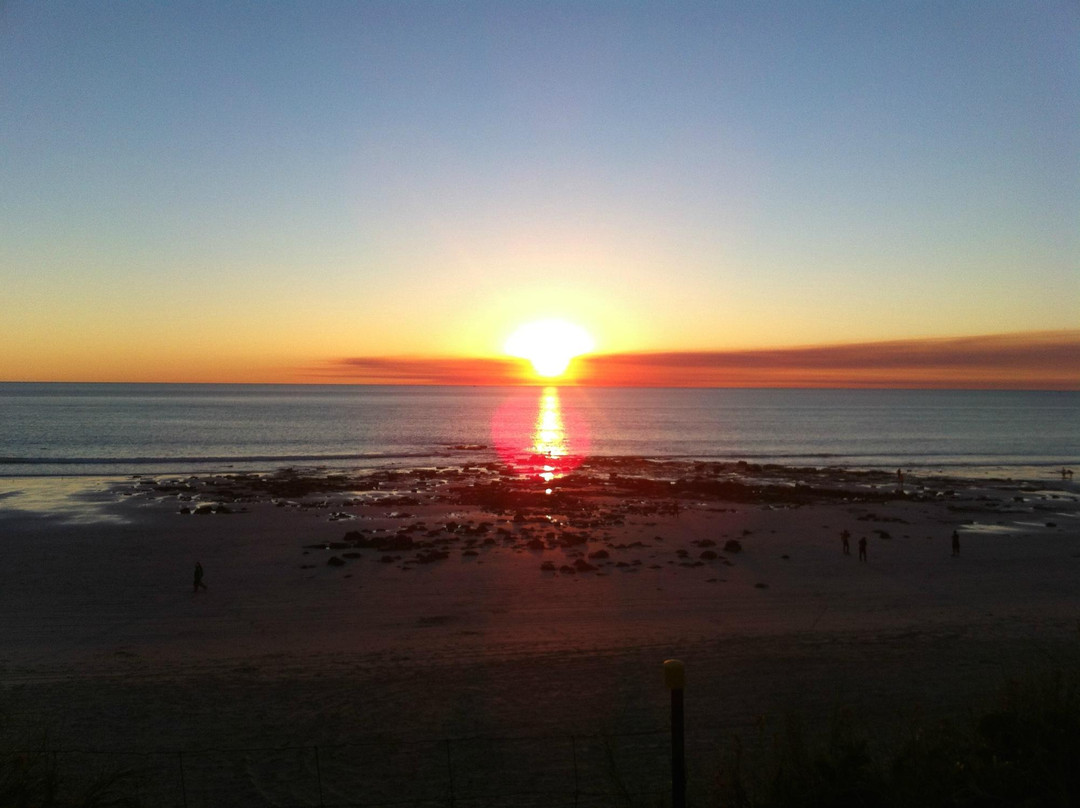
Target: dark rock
[565,568]
[573,539]
[548,566]
[733,546]
[581,565]
[431,556]
[334,561]
[599,554]
[708,555]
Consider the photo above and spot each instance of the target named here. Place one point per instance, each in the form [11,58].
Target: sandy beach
[375,615]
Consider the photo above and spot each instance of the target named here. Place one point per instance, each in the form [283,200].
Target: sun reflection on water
[540,437]
[550,438]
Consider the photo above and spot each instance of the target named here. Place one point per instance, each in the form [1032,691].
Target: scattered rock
[334,561]
[431,556]
[733,546]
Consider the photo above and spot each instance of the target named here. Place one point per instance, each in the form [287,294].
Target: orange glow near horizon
[1048,360]
[549,345]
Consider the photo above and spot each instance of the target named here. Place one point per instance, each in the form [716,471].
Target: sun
[549,345]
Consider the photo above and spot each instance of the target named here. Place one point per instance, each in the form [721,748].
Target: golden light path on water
[550,437]
[540,437]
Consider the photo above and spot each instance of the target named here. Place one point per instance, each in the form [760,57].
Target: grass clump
[1021,752]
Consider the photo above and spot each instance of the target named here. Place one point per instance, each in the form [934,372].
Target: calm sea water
[95,429]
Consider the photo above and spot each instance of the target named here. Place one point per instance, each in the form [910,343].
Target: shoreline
[983,468]
[917,477]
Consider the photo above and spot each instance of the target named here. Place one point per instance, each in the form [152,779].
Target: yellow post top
[674,674]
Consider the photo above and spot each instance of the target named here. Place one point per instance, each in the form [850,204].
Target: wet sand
[469,602]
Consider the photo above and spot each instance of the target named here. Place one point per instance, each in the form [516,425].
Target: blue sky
[268,185]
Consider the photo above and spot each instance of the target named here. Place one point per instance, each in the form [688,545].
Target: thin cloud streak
[1042,360]
[424,370]
[1039,360]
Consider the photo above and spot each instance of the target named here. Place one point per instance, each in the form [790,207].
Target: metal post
[318,775]
[450,772]
[573,754]
[183,785]
[675,679]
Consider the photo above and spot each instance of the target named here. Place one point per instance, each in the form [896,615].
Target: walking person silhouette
[198,578]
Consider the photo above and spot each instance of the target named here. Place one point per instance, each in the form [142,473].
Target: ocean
[60,429]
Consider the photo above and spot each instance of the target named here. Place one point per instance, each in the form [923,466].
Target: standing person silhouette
[955,543]
[198,578]
[862,549]
[846,544]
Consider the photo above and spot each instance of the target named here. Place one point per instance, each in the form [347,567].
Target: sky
[721,193]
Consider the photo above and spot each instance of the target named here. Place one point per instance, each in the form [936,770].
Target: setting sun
[549,345]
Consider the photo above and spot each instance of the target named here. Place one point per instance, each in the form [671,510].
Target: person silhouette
[847,544]
[198,578]
[955,543]
[862,549]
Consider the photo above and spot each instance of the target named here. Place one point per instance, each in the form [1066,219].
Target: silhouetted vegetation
[1022,751]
